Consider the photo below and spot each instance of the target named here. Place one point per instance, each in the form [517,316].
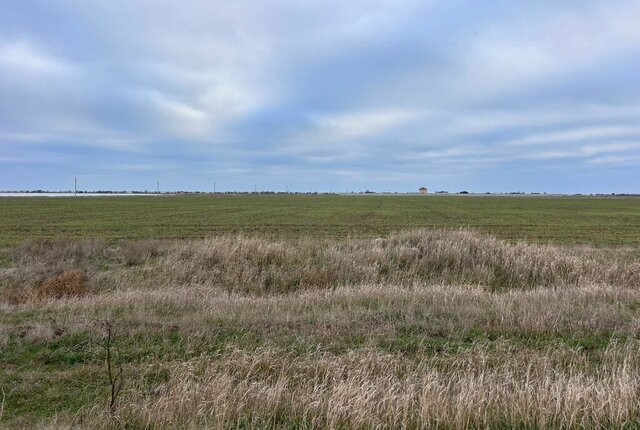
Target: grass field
[597,220]
[317,316]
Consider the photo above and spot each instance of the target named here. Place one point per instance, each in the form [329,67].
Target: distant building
[423,190]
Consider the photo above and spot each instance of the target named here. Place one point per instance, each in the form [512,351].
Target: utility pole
[255,188]
[158,187]
[75,187]
[214,188]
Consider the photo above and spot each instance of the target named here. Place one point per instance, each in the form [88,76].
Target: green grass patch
[594,220]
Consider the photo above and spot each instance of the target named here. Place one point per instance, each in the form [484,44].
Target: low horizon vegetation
[600,221]
[446,328]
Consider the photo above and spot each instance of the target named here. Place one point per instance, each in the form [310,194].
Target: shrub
[68,284]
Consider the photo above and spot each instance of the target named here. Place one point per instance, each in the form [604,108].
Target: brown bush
[71,283]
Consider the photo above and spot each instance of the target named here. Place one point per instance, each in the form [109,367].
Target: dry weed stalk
[104,345]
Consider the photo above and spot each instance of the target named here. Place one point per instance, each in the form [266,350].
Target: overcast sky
[382,95]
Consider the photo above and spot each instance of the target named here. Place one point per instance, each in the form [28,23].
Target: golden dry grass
[425,329]
[365,389]
[69,283]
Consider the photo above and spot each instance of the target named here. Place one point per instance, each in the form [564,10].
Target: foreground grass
[573,220]
[438,329]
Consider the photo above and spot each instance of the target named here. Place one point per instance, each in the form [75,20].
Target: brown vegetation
[424,329]
[139,251]
[459,256]
[365,389]
[68,284]
[259,266]
[72,283]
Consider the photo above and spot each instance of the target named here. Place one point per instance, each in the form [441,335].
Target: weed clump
[71,283]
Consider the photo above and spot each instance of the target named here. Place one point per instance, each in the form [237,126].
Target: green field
[594,220]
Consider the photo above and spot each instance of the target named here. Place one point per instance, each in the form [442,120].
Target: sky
[389,95]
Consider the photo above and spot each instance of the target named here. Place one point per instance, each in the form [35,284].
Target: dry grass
[368,313]
[53,253]
[72,283]
[445,329]
[261,267]
[140,251]
[475,389]
[67,284]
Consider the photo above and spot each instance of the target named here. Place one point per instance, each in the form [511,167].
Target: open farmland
[325,312]
[575,220]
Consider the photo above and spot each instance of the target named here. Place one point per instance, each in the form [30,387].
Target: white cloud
[354,125]
[346,135]
[583,151]
[536,46]
[577,134]
[17,137]
[378,85]
[85,135]
[448,152]
[22,57]
[522,48]
[176,116]
[151,167]
[617,160]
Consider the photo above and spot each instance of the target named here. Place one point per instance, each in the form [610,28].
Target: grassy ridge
[600,221]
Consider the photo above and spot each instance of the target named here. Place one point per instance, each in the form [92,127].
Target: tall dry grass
[260,266]
[367,315]
[479,388]
[424,329]
[459,256]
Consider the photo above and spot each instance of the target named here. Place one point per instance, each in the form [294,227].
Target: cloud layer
[384,95]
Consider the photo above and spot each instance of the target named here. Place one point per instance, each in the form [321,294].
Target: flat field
[502,312]
[574,220]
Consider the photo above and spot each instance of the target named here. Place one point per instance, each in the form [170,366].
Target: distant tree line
[39,191]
